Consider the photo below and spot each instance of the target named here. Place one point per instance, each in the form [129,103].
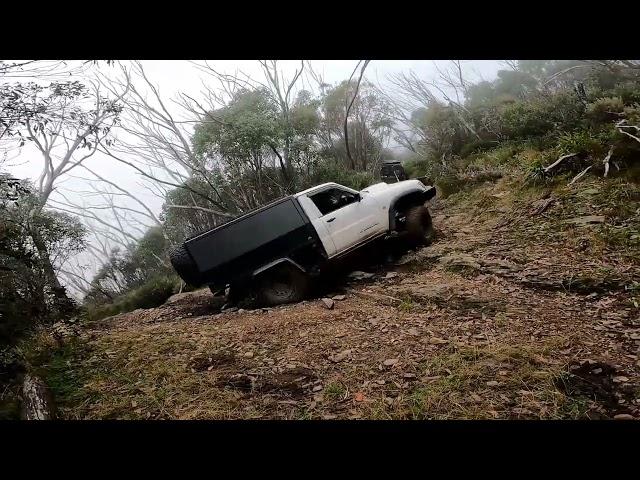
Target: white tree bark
[37,400]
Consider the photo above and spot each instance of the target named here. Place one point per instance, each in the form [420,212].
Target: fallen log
[37,400]
[582,174]
[558,162]
[623,124]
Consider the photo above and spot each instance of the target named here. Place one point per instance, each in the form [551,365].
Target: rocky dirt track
[490,321]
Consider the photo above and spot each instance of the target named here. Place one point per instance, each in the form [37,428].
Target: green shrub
[152,294]
[632,114]
[542,115]
[525,119]
[582,142]
[541,143]
[564,110]
[629,93]
[425,167]
[605,109]
[477,146]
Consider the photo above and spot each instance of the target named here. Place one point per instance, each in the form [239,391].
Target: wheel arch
[413,198]
[276,263]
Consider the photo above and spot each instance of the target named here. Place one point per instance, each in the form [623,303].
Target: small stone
[317,388]
[248,355]
[623,416]
[329,416]
[328,303]
[359,275]
[493,383]
[340,356]
[389,362]
[620,379]
[338,297]
[241,310]
[390,275]
[503,373]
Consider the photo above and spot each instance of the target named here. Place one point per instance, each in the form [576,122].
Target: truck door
[349,218]
[319,224]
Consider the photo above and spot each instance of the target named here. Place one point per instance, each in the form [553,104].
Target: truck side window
[332,199]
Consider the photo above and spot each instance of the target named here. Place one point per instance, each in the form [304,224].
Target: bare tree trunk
[348,109]
[37,400]
[63,304]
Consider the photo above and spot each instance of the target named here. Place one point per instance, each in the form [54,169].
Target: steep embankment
[526,306]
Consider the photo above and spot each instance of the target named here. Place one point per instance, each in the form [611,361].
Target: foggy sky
[174,76]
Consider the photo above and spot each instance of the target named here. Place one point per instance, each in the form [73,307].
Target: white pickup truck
[275,251]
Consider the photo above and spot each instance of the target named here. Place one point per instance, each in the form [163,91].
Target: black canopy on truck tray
[244,234]
[244,244]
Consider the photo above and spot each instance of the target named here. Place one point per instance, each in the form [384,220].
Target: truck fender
[416,197]
[275,263]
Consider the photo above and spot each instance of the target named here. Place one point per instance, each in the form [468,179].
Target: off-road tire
[184,264]
[419,226]
[282,285]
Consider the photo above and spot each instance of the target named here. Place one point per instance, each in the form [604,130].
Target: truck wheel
[282,285]
[184,265]
[419,226]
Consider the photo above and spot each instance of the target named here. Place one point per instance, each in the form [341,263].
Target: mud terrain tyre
[184,264]
[419,226]
[282,285]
